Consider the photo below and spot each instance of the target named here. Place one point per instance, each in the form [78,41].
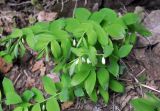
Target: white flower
[88,60]
[83,59]
[43,107]
[103,60]
[74,42]
[77,61]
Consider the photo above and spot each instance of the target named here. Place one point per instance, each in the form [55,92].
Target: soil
[142,64]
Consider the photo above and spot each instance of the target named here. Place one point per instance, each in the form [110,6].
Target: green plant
[86,50]
[32,99]
[149,103]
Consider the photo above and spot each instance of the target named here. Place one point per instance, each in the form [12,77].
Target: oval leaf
[52,103]
[90,82]
[49,85]
[103,78]
[116,31]
[104,94]
[116,86]
[55,48]
[82,14]
[124,50]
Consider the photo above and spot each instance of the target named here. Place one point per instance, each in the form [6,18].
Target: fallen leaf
[5,67]
[43,70]
[46,16]
[66,105]
[30,82]
[38,65]
[54,77]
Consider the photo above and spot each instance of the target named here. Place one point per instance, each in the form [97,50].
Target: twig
[151,88]
[85,2]
[140,72]
[75,6]
[23,3]
[62,5]
[25,73]
[17,79]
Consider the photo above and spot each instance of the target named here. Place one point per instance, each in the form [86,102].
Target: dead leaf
[46,16]
[5,67]
[29,82]
[38,65]
[43,70]
[66,105]
[55,77]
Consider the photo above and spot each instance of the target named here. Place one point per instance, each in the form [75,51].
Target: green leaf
[12,98]
[36,107]
[93,96]
[57,24]
[27,95]
[142,30]
[43,25]
[49,85]
[38,95]
[25,105]
[52,103]
[101,34]
[64,95]
[66,80]
[113,67]
[116,86]
[92,36]
[90,82]
[18,109]
[103,78]
[72,68]
[92,55]
[66,47]
[27,31]
[107,50]
[140,105]
[22,49]
[104,94]
[97,17]
[1,108]
[80,76]
[55,48]
[7,86]
[116,31]
[125,50]
[16,50]
[82,14]
[8,58]
[16,33]
[31,40]
[79,51]
[109,15]
[133,38]
[2,53]
[72,26]
[42,40]
[60,35]
[131,18]
[79,92]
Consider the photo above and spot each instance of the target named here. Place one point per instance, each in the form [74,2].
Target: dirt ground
[142,66]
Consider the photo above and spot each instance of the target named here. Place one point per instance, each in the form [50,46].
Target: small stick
[23,3]
[17,79]
[151,88]
[62,5]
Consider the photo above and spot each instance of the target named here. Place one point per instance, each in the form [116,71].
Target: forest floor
[142,72]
